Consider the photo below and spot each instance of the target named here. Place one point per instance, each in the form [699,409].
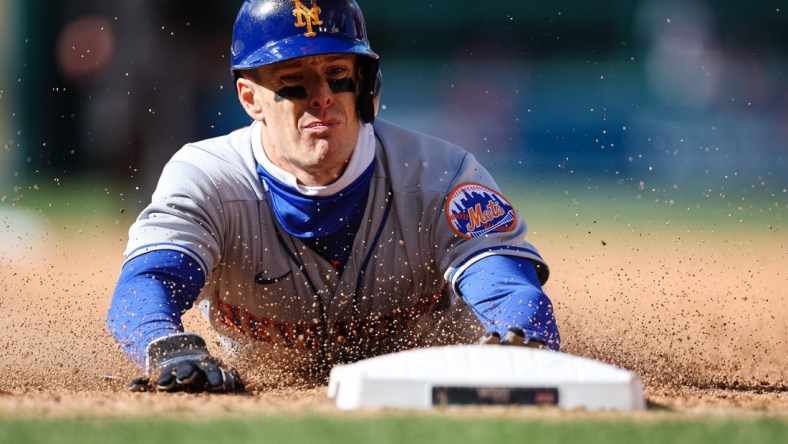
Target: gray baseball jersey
[432,210]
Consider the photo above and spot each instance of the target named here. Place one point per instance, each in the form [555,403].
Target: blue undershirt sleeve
[504,291]
[152,293]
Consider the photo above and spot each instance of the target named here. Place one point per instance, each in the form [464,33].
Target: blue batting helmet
[271,31]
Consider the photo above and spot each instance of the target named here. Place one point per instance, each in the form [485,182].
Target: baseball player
[318,234]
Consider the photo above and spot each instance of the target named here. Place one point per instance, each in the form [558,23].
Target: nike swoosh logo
[260,278]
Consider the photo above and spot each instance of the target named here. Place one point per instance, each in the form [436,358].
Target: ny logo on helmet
[307,16]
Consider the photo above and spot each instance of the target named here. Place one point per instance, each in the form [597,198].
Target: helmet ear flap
[369,88]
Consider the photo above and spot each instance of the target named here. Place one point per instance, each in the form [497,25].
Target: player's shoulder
[232,149]
[419,160]
[408,139]
[215,161]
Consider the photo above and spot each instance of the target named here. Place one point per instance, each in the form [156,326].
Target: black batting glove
[514,336]
[181,362]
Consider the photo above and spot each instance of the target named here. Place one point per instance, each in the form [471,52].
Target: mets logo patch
[474,210]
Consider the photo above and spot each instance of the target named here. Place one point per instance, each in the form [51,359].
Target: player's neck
[318,182]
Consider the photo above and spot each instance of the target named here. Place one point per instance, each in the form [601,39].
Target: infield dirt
[699,313]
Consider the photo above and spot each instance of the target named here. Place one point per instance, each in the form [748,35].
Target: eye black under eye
[290,93]
[342,85]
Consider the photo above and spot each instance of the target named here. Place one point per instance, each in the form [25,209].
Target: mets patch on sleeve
[474,210]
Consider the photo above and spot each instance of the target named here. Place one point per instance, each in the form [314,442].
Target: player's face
[307,107]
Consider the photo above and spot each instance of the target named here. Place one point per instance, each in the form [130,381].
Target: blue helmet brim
[300,46]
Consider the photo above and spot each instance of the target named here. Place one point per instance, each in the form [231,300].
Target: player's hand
[514,336]
[180,362]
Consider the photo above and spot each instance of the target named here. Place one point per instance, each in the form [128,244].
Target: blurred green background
[672,98]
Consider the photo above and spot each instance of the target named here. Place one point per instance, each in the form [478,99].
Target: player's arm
[152,293]
[505,293]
